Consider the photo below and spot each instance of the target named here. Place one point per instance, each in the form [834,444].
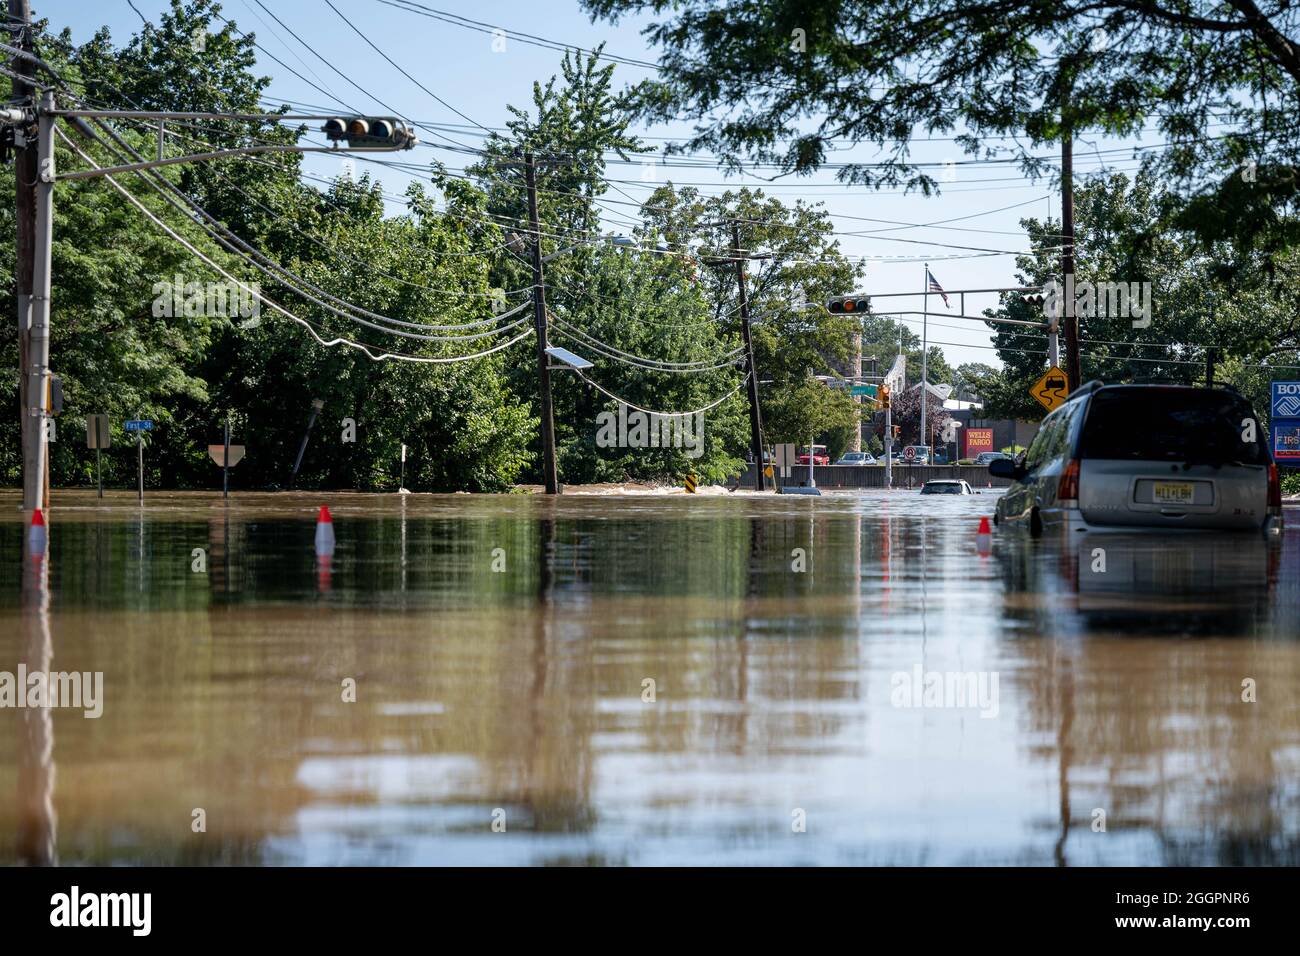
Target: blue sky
[462,67]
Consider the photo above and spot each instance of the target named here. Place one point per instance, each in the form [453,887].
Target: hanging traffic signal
[370,132]
[882,394]
[848,305]
[898,431]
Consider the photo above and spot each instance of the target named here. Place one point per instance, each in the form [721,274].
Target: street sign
[1286,442]
[1285,399]
[785,458]
[910,453]
[138,425]
[1052,389]
[218,454]
[97,432]
[867,390]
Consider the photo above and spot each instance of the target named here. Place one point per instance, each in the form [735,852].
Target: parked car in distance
[1153,456]
[986,458]
[920,455]
[819,456]
[857,458]
[947,486]
[941,456]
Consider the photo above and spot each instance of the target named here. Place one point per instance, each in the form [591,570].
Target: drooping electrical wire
[371,352]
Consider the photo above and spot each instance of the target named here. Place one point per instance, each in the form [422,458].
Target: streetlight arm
[198,157]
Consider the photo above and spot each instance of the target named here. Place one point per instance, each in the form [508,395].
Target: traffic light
[370,132]
[848,305]
[882,394]
[898,431]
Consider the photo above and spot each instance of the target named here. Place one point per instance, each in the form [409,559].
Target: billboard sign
[1286,441]
[1284,400]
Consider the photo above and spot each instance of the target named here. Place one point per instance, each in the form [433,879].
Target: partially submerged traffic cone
[984,537]
[324,548]
[37,535]
[324,533]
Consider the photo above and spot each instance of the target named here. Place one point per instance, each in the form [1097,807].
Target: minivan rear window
[1199,426]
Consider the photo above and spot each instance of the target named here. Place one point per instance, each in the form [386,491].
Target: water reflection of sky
[522,689]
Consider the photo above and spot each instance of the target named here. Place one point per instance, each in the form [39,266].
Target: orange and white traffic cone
[324,533]
[37,535]
[984,537]
[324,548]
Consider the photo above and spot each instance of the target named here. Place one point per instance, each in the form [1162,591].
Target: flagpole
[925,340]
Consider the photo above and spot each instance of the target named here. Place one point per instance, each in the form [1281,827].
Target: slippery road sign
[1051,390]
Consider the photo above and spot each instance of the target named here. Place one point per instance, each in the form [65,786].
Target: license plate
[1173,492]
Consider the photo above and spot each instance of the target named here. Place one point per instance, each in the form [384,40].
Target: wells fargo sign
[978,440]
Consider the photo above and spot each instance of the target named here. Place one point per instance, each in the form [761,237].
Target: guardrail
[873,476]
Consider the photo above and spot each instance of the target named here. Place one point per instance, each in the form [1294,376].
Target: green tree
[120,353]
[629,310]
[1193,307]
[793,264]
[780,81]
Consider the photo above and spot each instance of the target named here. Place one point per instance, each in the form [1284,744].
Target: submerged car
[1157,456]
[947,486]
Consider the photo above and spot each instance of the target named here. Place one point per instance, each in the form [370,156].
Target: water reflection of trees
[477,689]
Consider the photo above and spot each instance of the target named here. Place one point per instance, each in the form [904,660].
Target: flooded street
[645,680]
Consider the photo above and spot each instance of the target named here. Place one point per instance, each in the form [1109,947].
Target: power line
[294,281]
[363,347]
[399,69]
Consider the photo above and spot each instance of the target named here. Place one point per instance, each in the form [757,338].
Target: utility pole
[25,210]
[1072,372]
[36,370]
[755,419]
[925,348]
[550,473]
[1211,356]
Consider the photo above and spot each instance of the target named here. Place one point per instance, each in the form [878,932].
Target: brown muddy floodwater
[835,680]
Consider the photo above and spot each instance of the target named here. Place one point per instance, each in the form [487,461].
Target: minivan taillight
[1068,487]
[1274,488]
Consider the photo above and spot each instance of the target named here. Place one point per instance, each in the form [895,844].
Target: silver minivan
[1156,456]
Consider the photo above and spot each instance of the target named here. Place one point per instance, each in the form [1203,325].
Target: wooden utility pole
[550,472]
[25,209]
[1070,315]
[755,419]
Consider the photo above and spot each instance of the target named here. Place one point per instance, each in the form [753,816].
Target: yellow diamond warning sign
[1051,389]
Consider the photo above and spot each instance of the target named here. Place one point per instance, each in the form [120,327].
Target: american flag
[935,287]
